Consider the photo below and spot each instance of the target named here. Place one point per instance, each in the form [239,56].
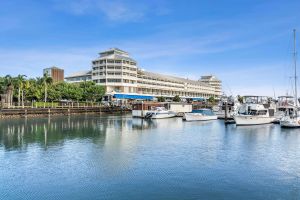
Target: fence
[35,104]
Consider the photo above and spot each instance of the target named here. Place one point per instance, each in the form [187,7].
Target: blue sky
[246,43]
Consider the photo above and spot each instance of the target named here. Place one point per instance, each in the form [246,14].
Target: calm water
[117,157]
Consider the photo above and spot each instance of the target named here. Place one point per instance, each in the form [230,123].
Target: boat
[291,118]
[230,104]
[255,110]
[140,109]
[200,115]
[285,104]
[160,113]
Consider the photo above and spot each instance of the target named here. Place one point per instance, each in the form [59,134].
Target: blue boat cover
[198,99]
[132,96]
[204,112]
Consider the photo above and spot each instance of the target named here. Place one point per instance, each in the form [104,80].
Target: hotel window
[114,80]
[102,81]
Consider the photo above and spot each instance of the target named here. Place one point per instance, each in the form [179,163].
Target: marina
[149,100]
[120,157]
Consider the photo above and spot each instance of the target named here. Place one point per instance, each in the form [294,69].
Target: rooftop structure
[213,81]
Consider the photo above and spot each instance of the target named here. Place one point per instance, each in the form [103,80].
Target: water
[117,157]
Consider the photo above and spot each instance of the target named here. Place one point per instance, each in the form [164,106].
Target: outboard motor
[148,115]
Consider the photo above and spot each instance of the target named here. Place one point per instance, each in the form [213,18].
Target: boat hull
[160,114]
[290,123]
[198,117]
[252,120]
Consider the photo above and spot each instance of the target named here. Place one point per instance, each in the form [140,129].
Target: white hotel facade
[122,78]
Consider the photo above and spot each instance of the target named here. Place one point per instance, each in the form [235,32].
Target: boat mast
[295,66]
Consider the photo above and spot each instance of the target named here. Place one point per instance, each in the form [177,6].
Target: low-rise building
[55,73]
[78,77]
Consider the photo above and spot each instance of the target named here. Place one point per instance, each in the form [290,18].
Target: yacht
[255,110]
[232,107]
[284,105]
[160,113]
[200,115]
[291,118]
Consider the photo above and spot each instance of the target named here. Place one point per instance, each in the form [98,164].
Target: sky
[248,44]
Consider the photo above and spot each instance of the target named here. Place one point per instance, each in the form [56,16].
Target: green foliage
[91,91]
[161,99]
[177,98]
[43,89]
[45,104]
[211,100]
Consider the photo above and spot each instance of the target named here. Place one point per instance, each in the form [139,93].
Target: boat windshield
[256,99]
[285,101]
[159,108]
[204,111]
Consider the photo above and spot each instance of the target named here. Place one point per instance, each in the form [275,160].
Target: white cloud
[113,10]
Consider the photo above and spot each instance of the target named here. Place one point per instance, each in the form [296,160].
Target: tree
[161,99]
[211,99]
[91,91]
[20,79]
[177,98]
[46,80]
[8,82]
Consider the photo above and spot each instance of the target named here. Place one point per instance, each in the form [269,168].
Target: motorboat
[255,110]
[227,107]
[200,115]
[284,105]
[291,118]
[160,113]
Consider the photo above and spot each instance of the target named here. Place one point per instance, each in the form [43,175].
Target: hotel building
[122,78]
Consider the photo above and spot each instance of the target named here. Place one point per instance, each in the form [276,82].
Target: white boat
[285,104]
[254,111]
[232,107]
[200,115]
[160,113]
[291,118]
[290,122]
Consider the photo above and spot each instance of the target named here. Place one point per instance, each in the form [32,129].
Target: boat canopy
[198,99]
[132,96]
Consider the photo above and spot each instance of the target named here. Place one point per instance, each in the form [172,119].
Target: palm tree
[46,80]
[8,81]
[20,79]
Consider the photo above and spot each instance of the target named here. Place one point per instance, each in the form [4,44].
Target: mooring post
[226,109]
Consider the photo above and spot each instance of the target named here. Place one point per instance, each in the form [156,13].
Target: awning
[198,99]
[132,96]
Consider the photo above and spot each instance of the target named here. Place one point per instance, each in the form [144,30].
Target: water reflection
[112,156]
[19,133]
